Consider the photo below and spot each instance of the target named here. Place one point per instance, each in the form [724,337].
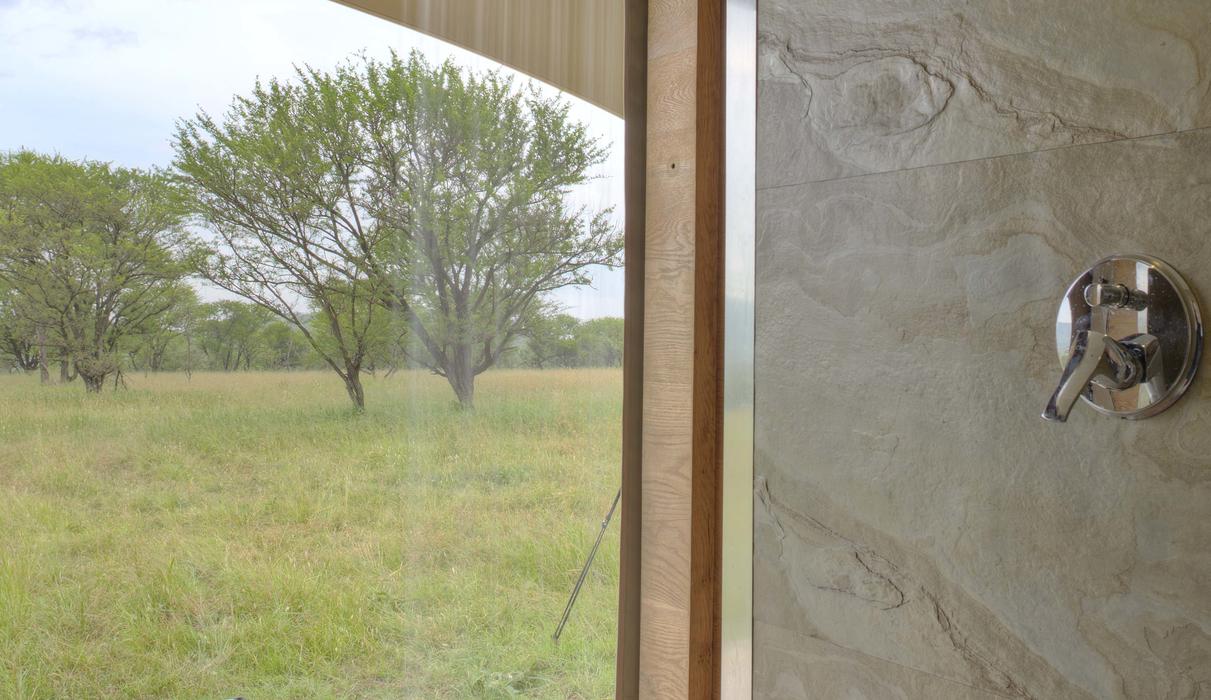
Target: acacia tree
[91,250]
[279,181]
[151,347]
[232,333]
[599,342]
[471,175]
[285,347]
[380,336]
[22,336]
[430,193]
[551,340]
[18,338]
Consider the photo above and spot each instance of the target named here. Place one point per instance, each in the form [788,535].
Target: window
[313,334]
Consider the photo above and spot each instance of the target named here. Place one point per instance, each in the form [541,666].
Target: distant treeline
[230,336]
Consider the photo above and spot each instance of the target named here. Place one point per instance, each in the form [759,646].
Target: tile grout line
[843,178]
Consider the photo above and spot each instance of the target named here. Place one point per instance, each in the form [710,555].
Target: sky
[108,79]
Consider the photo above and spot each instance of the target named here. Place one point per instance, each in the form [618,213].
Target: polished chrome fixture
[1129,335]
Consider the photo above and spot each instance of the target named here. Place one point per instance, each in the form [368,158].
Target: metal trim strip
[740,220]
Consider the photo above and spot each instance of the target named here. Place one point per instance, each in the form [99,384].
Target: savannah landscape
[247,534]
[298,415]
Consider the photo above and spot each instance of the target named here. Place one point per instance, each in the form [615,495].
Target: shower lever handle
[1095,358]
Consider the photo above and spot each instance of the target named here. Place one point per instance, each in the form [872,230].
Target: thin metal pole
[584,572]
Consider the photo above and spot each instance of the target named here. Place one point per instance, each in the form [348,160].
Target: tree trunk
[43,369]
[93,384]
[64,370]
[461,376]
[25,354]
[353,385]
[94,370]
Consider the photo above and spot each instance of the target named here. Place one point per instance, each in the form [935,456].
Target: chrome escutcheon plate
[1125,296]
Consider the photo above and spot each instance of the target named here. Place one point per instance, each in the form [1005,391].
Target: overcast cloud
[107,79]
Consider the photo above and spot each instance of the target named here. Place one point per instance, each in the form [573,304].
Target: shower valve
[1129,336]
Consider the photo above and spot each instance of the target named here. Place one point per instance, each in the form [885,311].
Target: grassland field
[247,534]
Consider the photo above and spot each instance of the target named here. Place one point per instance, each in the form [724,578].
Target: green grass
[248,535]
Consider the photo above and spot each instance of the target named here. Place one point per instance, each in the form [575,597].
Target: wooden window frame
[685,626]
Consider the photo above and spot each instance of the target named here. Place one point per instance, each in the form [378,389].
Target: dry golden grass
[248,535]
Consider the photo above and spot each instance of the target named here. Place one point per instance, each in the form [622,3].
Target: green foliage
[18,332]
[153,348]
[474,175]
[552,340]
[284,346]
[562,340]
[599,342]
[389,213]
[280,183]
[382,334]
[93,251]
[230,334]
[433,193]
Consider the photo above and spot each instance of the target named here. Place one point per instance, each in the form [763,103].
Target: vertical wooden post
[706,551]
[631,515]
[682,436]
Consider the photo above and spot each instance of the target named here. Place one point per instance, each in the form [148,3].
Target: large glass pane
[313,334]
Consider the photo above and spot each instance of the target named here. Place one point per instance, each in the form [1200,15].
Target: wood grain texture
[673,27]
[576,45]
[706,544]
[626,686]
[668,351]
[680,641]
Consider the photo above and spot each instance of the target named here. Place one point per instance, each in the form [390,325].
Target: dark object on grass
[567,611]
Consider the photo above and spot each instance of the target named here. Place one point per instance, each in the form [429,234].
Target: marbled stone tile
[797,666]
[911,506]
[851,87]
